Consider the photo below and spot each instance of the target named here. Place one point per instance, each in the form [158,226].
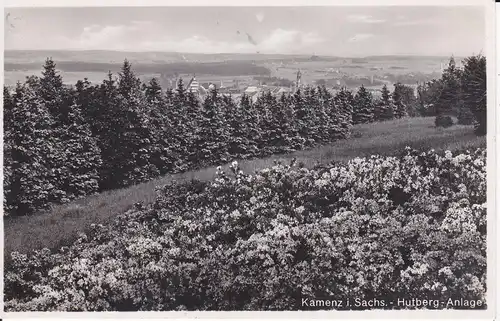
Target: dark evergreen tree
[162,154]
[153,90]
[211,142]
[409,100]
[8,161]
[33,150]
[303,121]
[398,99]
[78,166]
[136,138]
[344,103]
[474,90]
[447,101]
[250,126]
[273,125]
[313,108]
[108,124]
[333,113]
[363,107]
[384,110]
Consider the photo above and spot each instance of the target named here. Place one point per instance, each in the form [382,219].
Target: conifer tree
[250,124]
[211,141]
[162,154]
[363,107]
[384,110]
[138,137]
[447,101]
[303,117]
[344,103]
[8,161]
[399,105]
[474,90]
[79,157]
[184,138]
[153,90]
[273,125]
[34,148]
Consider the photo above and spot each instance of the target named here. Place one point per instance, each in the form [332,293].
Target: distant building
[193,86]
[252,89]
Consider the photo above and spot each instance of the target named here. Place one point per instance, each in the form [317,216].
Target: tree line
[64,142]
[460,92]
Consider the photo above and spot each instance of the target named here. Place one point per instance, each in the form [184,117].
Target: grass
[60,225]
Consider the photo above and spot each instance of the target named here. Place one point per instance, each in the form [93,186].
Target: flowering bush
[411,226]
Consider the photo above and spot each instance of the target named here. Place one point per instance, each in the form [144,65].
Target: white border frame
[492,160]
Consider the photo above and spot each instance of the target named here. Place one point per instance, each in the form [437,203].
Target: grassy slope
[61,224]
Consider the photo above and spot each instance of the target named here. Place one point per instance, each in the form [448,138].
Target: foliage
[122,132]
[363,107]
[461,92]
[384,109]
[386,227]
[399,103]
[92,138]
[443,121]
[474,88]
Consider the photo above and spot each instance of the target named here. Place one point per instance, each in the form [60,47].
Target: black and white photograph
[246,158]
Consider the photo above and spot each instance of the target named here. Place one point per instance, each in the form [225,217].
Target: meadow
[61,224]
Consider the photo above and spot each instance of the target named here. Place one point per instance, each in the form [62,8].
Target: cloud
[416,22]
[259,17]
[363,19]
[144,36]
[98,37]
[360,37]
[119,38]
[288,40]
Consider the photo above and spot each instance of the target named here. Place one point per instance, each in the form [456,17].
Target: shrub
[385,227]
[443,121]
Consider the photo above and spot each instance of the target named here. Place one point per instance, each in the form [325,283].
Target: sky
[334,31]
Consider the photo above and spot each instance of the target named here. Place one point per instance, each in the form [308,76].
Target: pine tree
[33,150]
[447,102]
[8,161]
[79,157]
[51,84]
[192,113]
[273,125]
[344,103]
[409,100]
[399,105]
[153,90]
[82,156]
[303,121]
[474,90]
[334,129]
[250,122]
[312,104]
[363,107]
[181,143]
[137,138]
[108,124]
[384,110]
[162,147]
[211,141]
[427,97]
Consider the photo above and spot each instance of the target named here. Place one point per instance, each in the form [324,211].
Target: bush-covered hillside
[386,227]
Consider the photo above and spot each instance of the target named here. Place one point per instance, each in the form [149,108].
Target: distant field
[406,71]
[60,225]
[94,65]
